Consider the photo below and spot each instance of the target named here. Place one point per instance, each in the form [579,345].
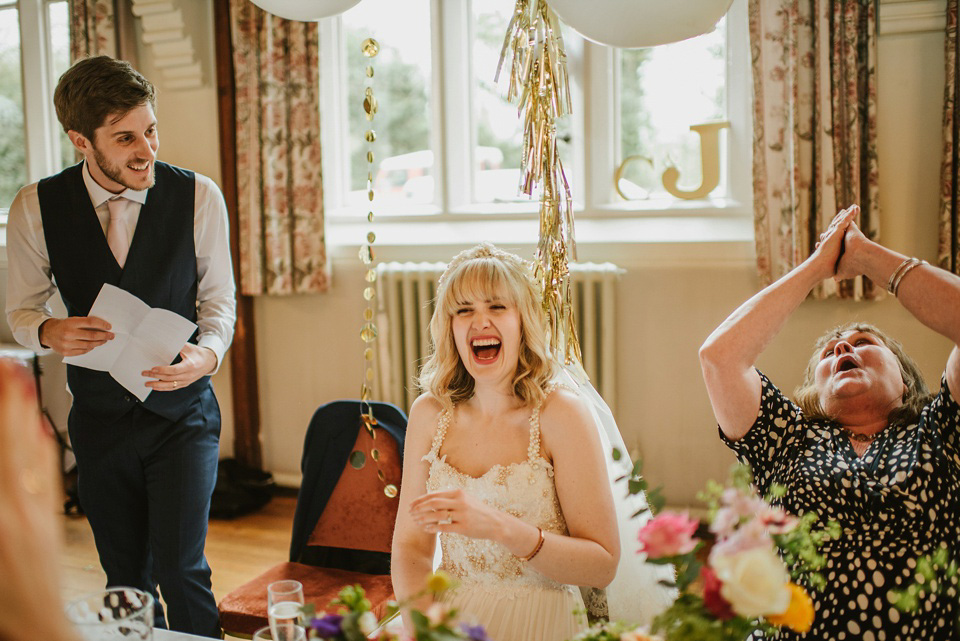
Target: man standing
[146,470]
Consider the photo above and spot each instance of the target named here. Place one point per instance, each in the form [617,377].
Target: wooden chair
[343,525]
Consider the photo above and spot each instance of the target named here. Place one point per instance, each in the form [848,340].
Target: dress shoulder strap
[442,423]
[533,449]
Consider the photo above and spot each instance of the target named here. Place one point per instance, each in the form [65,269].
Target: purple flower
[474,632]
[327,627]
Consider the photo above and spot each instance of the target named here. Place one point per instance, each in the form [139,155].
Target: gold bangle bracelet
[915,263]
[536,550]
[898,272]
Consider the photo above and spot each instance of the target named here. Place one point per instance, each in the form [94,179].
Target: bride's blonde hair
[477,274]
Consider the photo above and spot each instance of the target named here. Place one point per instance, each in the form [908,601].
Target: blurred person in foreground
[30,532]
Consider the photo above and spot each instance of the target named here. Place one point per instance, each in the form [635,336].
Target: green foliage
[933,572]
[799,549]
[353,598]
[637,483]
[688,620]
[423,630]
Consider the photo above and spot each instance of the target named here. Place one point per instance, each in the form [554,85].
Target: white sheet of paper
[144,338]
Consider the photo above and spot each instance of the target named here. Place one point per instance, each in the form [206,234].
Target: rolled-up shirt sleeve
[29,279]
[216,291]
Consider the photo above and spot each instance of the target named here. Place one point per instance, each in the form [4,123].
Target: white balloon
[304,10]
[640,23]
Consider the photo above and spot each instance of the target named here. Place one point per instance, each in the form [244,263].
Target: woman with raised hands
[864,443]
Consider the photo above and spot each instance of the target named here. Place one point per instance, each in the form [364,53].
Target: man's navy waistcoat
[161,270]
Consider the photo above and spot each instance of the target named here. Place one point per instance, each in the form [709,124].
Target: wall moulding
[912,16]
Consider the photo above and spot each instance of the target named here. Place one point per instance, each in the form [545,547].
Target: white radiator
[406,300]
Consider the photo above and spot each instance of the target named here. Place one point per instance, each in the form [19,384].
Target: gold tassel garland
[538,80]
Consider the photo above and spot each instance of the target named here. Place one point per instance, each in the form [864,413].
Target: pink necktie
[118,237]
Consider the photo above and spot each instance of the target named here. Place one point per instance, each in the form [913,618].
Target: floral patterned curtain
[280,208]
[92,28]
[815,142]
[948,255]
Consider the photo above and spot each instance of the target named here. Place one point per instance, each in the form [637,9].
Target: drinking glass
[295,633]
[280,591]
[114,614]
[284,600]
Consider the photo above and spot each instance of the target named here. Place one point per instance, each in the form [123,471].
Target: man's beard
[115,172]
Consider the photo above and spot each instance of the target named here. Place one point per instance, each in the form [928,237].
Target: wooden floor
[237,550]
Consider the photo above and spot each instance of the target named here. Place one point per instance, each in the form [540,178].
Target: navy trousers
[145,485]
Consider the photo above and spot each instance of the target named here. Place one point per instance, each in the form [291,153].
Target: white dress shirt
[30,281]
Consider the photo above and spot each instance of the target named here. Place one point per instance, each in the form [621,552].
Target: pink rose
[737,506]
[751,535]
[776,520]
[668,534]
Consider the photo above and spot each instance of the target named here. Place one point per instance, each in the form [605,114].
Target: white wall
[671,298]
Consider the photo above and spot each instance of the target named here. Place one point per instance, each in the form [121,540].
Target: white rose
[754,581]
[367,623]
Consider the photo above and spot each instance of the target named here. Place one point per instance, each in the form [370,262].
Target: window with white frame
[448,144]
[34,51]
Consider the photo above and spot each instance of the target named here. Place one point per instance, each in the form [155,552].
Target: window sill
[629,241]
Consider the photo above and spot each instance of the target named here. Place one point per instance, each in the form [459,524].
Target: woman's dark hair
[915,398]
[95,88]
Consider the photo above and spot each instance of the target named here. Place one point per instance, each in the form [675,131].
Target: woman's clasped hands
[456,511]
[836,250]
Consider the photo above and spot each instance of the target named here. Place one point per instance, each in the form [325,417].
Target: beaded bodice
[525,489]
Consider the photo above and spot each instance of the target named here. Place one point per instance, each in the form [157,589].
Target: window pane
[13,161]
[404,159]
[663,91]
[60,61]
[496,159]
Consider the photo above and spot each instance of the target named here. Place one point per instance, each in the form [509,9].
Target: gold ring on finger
[176,384]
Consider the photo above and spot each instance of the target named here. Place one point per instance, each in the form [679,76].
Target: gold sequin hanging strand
[537,74]
[368,330]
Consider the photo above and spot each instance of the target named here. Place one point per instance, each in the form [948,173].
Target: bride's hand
[457,511]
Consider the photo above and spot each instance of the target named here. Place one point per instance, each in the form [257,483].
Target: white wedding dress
[511,600]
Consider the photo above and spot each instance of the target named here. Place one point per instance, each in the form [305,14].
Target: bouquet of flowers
[354,621]
[737,572]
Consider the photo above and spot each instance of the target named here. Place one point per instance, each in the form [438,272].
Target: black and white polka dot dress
[899,501]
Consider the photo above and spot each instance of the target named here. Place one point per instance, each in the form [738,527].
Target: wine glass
[284,600]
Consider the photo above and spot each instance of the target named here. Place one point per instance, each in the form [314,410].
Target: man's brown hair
[95,88]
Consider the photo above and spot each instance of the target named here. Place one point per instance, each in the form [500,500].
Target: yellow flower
[438,582]
[799,614]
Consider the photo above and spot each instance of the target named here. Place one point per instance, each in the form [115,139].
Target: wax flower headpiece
[486,250]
